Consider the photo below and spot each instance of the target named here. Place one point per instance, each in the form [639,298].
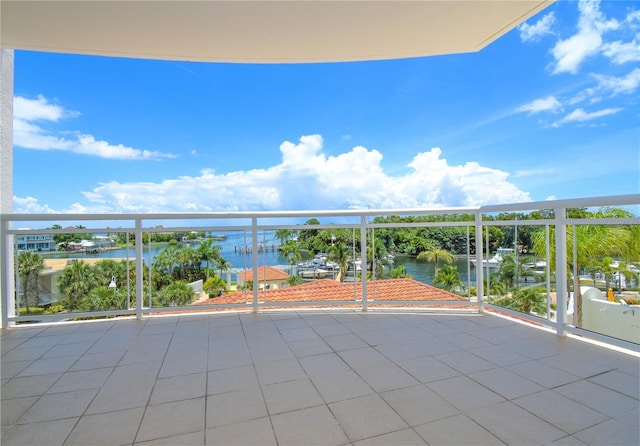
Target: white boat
[537,267]
[494,262]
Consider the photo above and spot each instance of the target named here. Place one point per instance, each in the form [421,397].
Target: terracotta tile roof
[329,290]
[268,271]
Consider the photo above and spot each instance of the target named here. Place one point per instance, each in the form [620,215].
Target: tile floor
[313,378]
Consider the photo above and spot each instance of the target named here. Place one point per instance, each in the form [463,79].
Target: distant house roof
[265,274]
[328,290]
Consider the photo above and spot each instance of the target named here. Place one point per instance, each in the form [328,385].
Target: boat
[220,237]
[494,262]
[537,266]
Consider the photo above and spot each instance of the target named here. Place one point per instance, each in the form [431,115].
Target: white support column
[254,261]
[363,256]
[7,285]
[479,269]
[561,270]
[139,269]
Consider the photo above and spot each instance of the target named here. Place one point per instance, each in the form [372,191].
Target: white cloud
[30,135]
[532,172]
[570,53]
[550,104]
[620,52]
[541,28]
[618,85]
[308,179]
[579,115]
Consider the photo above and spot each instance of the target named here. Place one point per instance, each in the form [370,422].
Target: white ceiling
[267,31]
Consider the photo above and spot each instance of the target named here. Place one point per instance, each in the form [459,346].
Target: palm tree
[526,300]
[178,293]
[30,264]
[291,251]
[399,273]
[436,255]
[215,286]
[75,283]
[593,242]
[448,278]
[284,235]
[210,252]
[339,253]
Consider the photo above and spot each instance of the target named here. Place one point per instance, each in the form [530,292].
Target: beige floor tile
[465,362]
[98,360]
[620,382]
[427,369]
[72,349]
[611,432]
[514,425]
[56,406]
[418,405]
[83,379]
[279,371]
[248,433]
[50,365]
[347,341]
[366,416]
[543,374]
[48,433]
[121,393]
[324,364]
[560,411]
[363,357]
[171,419]
[458,430]
[598,398]
[228,380]
[312,426]
[113,428]
[228,358]
[309,347]
[12,410]
[405,437]
[178,388]
[385,377]
[28,386]
[291,395]
[464,393]
[506,383]
[10,369]
[192,439]
[235,407]
[341,386]
[499,355]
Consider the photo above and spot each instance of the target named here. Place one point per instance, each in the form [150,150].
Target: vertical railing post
[363,256]
[561,270]
[479,265]
[254,261]
[139,269]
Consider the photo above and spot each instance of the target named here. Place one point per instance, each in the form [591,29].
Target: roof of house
[330,290]
[265,274]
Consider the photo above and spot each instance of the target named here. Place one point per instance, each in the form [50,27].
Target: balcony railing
[259,277]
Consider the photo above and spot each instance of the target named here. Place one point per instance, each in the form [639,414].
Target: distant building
[268,277]
[42,242]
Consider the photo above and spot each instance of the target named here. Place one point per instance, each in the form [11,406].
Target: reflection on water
[233,250]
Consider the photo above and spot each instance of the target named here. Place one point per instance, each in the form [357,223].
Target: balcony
[383,362]
[331,377]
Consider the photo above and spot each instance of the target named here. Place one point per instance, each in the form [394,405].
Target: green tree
[215,286]
[291,251]
[176,294]
[339,253]
[75,282]
[30,264]
[209,252]
[399,272]
[593,241]
[448,278]
[295,280]
[525,300]
[436,255]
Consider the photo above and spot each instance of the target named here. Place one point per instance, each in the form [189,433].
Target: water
[232,250]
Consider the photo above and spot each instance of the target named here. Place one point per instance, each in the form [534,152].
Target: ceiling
[267,31]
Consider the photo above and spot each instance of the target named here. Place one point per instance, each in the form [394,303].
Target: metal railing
[366,291]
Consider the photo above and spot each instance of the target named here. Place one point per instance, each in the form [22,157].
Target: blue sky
[550,110]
